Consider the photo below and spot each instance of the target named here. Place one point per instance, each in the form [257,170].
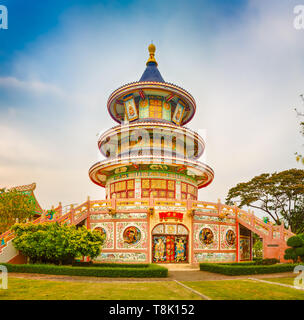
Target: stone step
[179,266]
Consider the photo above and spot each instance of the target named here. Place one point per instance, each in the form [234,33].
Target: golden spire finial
[151,49]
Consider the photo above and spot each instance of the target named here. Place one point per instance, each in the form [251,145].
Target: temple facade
[152,175]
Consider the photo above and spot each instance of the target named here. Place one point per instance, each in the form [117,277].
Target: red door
[170,252]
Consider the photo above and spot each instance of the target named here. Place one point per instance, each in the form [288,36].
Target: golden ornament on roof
[151,49]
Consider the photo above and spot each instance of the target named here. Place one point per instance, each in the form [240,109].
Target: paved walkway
[173,276]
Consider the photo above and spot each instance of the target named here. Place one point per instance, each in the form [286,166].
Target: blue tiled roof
[151,73]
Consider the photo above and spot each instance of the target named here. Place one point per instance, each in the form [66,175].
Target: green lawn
[282,280]
[26,289]
[244,290]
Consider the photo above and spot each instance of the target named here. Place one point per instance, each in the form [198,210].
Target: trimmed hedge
[152,271]
[268,261]
[247,263]
[110,265]
[245,269]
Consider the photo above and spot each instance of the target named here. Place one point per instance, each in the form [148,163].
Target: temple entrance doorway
[245,244]
[170,243]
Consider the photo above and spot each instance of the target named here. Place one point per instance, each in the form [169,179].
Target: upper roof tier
[151,73]
[151,98]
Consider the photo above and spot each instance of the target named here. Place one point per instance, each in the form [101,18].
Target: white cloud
[38,87]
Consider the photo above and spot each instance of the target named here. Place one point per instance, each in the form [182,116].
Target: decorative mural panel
[122,257]
[144,108]
[205,218]
[157,174]
[206,210]
[170,228]
[214,257]
[181,229]
[212,218]
[244,248]
[108,229]
[159,229]
[133,207]
[130,109]
[159,248]
[100,216]
[131,235]
[178,113]
[228,237]
[170,208]
[138,215]
[205,236]
[130,215]
[166,111]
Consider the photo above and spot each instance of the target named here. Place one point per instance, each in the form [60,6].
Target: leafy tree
[56,243]
[258,249]
[14,204]
[280,195]
[295,251]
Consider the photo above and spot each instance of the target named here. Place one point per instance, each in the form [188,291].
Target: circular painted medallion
[206,236]
[131,235]
[230,237]
[102,231]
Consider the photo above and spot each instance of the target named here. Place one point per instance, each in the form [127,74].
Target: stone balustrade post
[88,222]
[59,210]
[219,206]
[72,214]
[113,203]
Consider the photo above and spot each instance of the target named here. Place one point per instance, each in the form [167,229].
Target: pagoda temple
[151,175]
[152,170]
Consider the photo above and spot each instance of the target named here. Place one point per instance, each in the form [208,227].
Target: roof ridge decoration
[152,49]
[150,82]
[28,187]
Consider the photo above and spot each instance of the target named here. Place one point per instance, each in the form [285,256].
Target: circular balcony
[151,139]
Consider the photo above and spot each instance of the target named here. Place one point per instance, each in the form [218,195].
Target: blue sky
[60,60]
[30,20]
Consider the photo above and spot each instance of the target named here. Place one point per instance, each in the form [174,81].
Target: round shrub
[289,250]
[295,241]
[291,255]
[301,235]
[300,251]
[56,243]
